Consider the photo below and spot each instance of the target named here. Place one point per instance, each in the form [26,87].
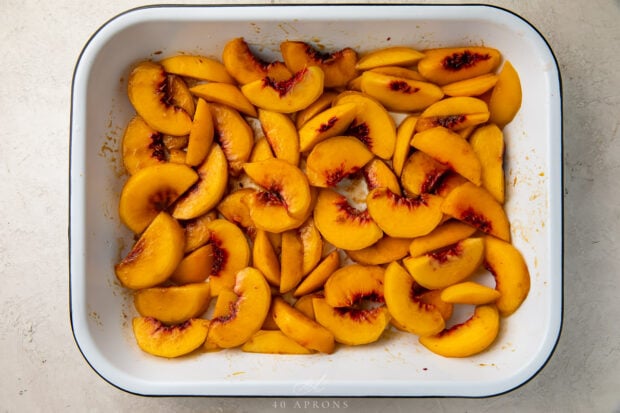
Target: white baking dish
[101,310]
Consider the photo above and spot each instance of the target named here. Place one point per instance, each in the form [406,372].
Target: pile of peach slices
[292,206]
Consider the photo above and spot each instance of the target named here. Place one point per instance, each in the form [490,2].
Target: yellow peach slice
[326,124]
[264,258]
[291,259]
[400,94]
[246,67]
[442,268]
[378,175]
[334,159]
[233,134]
[506,96]
[399,71]
[154,256]
[225,94]
[268,212]
[404,133]
[384,251]
[404,217]
[312,244]
[448,65]
[236,211]
[409,312]
[173,305]
[351,284]
[273,342]
[197,233]
[246,316]
[343,225]
[449,182]
[338,66]
[469,292]
[157,339]
[142,146]
[180,94]
[422,174]
[207,192]
[302,329]
[304,304]
[512,277]
[286,96]
[352,326]
[148,93]
[194,267]
[454,113]
[201,135]
[445,234]
[281,134]
[433,297]
[466,339]
[449,148]
[471,87]
[488,143]
[197,67]
[389,56]
[475,206]
[316,107]
[261,151]
[318,275]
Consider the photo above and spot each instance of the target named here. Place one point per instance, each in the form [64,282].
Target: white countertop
[42,367]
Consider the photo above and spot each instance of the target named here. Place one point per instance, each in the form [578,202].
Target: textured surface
[42,367]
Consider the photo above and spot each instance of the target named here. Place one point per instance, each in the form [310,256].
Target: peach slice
[312,244]
[291,259]
[422,174]
[449,182]
[399,72]
[404,217]
[339,66]
[246,67]
[265,259]
[389,56]
[372,125]
[142,146]
[318,275]
[225,94]
[201,135]
[512,277]
[444,235]
[384,251]
[400,94]
[175,142]
[378,175]
[449,148]
[409,312]
[302,329]
[197,233]
[148,93]
[304,304]
[448,65]
[404,133]
[334,159]
[236,211]
[341,224]
[180,94]
[173,305]
[442,268]
[234,135]
[352,326]
[351,284]
[488,143]
[322,103]
[454,113]
[475,206]
[261,151]
[246,316]
[207,192]
[273,342]
[466,339]
[433,297]
[197,67]
[506,96]
[471,87]
[327,124]
[286,96]
[157,339]
[268,212]
[154,257]
[469,292]
[194,267]
[281,134]
[151,190]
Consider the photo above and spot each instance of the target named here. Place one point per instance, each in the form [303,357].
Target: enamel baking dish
[397,365]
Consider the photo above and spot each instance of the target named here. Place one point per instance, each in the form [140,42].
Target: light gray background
[42,369]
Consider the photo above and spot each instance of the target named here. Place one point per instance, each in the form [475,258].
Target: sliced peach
[201,135]
[281,134]
[177,156]
[291,259]
[410,313]
[422,174]
[236,211]
[386,250]
[449,148]
[148,93]
[197,233]
[142,146]
[302,329]
[154,256]
[404,133]
[316,107]
[378,175]
[339,66]
[466,339]
[444,235]
[351,284]
[448,182]
[246,316]
[352,326]
[488,143]
[268,212]
[343,225]
[246,67]
[161,340]
[273,342]
[180,94]
[471,87]
[326,124]
[454,113]
[334,159]
[433,297]
[448,65]
[400,94]
[195,266]
[312,244]
[404,217]
[261,151]
[265,259]
[207,192]
[304,304]
[469,292]
[475,206]
[197,67]
[286,96]
[270,322]
[318,275]
[506,96]
[173,305]
[176,142]
[512,277]
[447,266]
[389,56]
[234,135]
[225,94]
[399,71]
